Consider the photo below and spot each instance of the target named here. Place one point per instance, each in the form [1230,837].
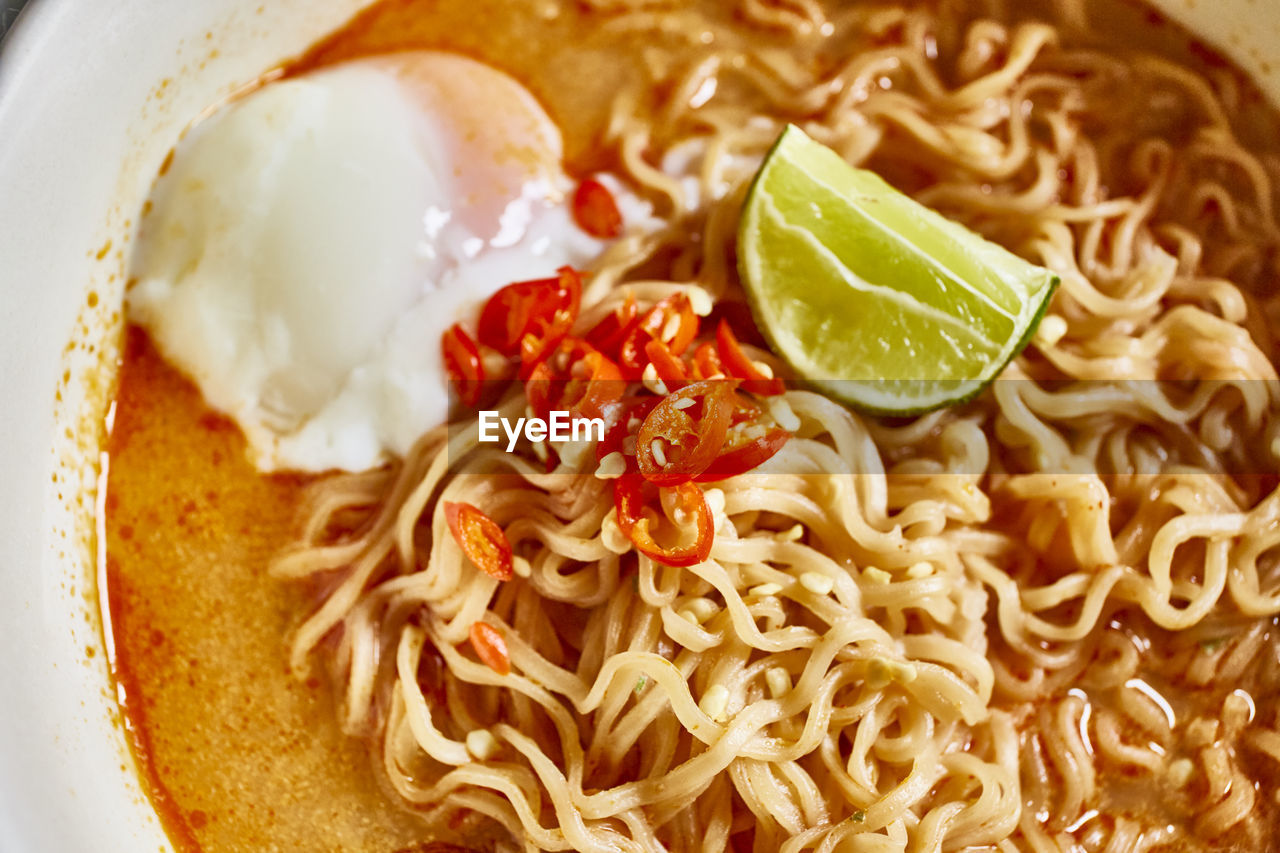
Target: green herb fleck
[859,816]
[1211,646]
[640,685]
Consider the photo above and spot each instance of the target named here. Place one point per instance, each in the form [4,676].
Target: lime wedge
[873,297]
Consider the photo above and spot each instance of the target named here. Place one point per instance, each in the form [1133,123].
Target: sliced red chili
[608,335]
[745,410]
[576,378]
[513,310]
[671,321]
[683,434]
[685,329]
[529,318]
[490,647]
[692,512]
[595,211]
[623,418]
[670,369]
[744,454]
[738,365]
[748,444]
[706,362]
[481,539]
[463,364]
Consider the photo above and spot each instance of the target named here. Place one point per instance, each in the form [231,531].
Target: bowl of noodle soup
[1044,619]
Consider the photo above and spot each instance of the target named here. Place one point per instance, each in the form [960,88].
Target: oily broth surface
[238,754]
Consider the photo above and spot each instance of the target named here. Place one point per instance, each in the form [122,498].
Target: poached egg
[310,243]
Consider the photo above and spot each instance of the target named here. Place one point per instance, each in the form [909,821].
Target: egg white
[310,243]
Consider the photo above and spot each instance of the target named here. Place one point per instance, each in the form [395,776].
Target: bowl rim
[20,46]
[35,33]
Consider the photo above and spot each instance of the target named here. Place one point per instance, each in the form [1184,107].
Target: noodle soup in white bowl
[92,101]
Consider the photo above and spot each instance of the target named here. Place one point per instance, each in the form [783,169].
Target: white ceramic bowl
[92,97]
